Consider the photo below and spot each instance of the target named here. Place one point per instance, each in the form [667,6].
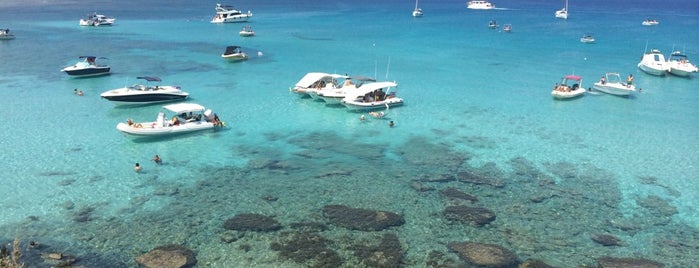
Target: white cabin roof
[311,78]
[184,107]
[370,87]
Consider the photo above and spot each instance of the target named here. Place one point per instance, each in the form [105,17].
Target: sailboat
[418,11]
[563,13]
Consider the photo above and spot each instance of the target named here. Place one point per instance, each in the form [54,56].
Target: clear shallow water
[477,93]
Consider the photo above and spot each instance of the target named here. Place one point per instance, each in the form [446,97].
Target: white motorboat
[587,38]
[565,91]
[312,82]
[417,12]
[372,96]
[226,14]
[611,83]
[247,31]
[95,19]
[654,63]
[6,35]
[680,65]
[233,53]
[87,67]
[479,5]
[145,94]
[650,22]
[562,13]
[507,28]
[186,117]
[493,24]
[332,95]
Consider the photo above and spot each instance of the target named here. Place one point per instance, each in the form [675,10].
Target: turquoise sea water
[477,100]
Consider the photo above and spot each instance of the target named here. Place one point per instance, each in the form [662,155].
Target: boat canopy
[573,77]
[363,78]
[311,78]
[370,87]
[179,108]
[232,50]
[149,78]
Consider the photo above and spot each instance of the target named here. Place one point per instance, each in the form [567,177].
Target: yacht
[95,19]
[334,95]
[480,5]
[563,13]
[611,83]
[145,94]
[87,67]
[226,14]
[6,35]
[371,96]
[233,53]
[417,12]
[186,118]
[654,63]
[680,65]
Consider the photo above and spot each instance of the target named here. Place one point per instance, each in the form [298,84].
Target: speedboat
[95,19]
[145,94]
[564,91]
[680,65]
[233,53]
[654,63]
[479,5]
[417,12]
[87,67]
[611,83]
[563,13]
[186,118]
[650,22]
[333,95]
[371,96]
[587,38]
[6,35]
[229,14]
[492,24]
[507,28]
[315,81]
[247,31]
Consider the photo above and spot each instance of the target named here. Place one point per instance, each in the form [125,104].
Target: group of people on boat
[376,95]
[565,88]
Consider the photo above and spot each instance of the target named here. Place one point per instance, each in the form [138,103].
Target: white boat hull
[679,69]
[235,57]
[653,69]
[614,88]
[153,129]
[366,106]
[568,94]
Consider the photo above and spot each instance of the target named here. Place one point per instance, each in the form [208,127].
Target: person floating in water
[157,159]
[377,114]
[391,124]
[137,167]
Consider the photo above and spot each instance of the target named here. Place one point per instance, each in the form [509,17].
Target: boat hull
[6,36]
[617,89]
[145,98]
[152,129]
[235,57]
[366,106]
[682,70]
[658,71]
[92,71]
[567,95]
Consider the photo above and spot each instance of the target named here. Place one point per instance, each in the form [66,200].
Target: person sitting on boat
[175,121]
[603,80]
[348,82]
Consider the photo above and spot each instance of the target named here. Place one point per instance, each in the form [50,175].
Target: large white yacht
[226,14]
[480,5]
[654,63]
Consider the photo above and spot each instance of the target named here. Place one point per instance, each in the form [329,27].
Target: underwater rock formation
[361,219]
[309,249]
[475,215]
[252,222]
[168,256]
[611,262]
[488,255]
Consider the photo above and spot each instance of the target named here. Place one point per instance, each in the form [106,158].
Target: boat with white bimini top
[562,13]
[650,22]
[145,94]
[679,64]
[564,91]
[95,19]
[6,35]
[654,63]
[225,14]
[314,81]
[233,53]
[247,31]
[187,117]
[87,67]
[417,12]
[587,38]
[333,95]
[477,4]
[372,96]
[611,83]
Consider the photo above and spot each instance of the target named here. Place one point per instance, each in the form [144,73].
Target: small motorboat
[6,35]
[479,5]
[507,28]
[650,22]
[680,65]
[186,118]
[587,39]
[87,67]
[145,94]
[372,96]
[654,63]
[611,83]
[564,91]
[247,31]
[493,24]
[233,53]
[225,14]
[95,19]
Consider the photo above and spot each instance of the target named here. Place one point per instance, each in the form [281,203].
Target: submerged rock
[534,264]
[361,219]
[252,222]
[488,255]
[606,240]
[454,193]
[611,262]
[475,215]
[473,178]
[309,249]
[168,256]
[389,252]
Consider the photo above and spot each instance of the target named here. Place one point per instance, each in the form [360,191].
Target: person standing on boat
[629,80]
